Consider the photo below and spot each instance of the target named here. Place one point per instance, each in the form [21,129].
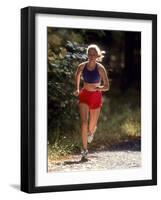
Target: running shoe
[91,136]
[84,155]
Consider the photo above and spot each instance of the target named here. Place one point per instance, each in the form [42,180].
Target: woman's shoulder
[100,66]
[102,69]
[82,65]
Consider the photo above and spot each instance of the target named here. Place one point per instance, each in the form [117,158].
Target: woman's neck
[91,64]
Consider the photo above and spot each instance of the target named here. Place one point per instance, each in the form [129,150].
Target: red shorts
[92,98]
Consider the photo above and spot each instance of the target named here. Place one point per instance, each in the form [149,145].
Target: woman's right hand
[76,93]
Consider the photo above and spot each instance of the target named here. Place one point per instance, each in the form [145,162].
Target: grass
[63,146]
[120,119]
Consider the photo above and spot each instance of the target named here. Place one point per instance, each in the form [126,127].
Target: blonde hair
[97,49]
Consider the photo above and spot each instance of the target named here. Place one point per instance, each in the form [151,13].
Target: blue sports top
[91,76]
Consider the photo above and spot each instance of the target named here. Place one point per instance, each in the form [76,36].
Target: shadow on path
[72,162]
[127,145]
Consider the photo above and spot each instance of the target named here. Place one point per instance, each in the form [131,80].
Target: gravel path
[99,160]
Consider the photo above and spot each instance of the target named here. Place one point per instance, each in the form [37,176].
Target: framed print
[88,99]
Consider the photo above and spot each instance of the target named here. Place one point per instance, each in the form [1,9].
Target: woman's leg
[84,112]
[94,115]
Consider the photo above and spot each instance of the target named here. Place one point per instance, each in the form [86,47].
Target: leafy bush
[62,104]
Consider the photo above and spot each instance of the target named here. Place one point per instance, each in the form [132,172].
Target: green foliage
[59,149]
[61,146]
[63,59]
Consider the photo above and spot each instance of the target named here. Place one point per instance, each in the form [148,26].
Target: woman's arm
[103,74]
[77,79]
[77,76]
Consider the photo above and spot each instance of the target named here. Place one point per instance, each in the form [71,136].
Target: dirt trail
[99,160]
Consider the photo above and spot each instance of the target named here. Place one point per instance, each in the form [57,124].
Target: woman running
[90,96]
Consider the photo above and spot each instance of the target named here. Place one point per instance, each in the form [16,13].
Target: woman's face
[92,55]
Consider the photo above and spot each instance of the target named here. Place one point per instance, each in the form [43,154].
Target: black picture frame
[28,98]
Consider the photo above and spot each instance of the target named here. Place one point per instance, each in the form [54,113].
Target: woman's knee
[84,122]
